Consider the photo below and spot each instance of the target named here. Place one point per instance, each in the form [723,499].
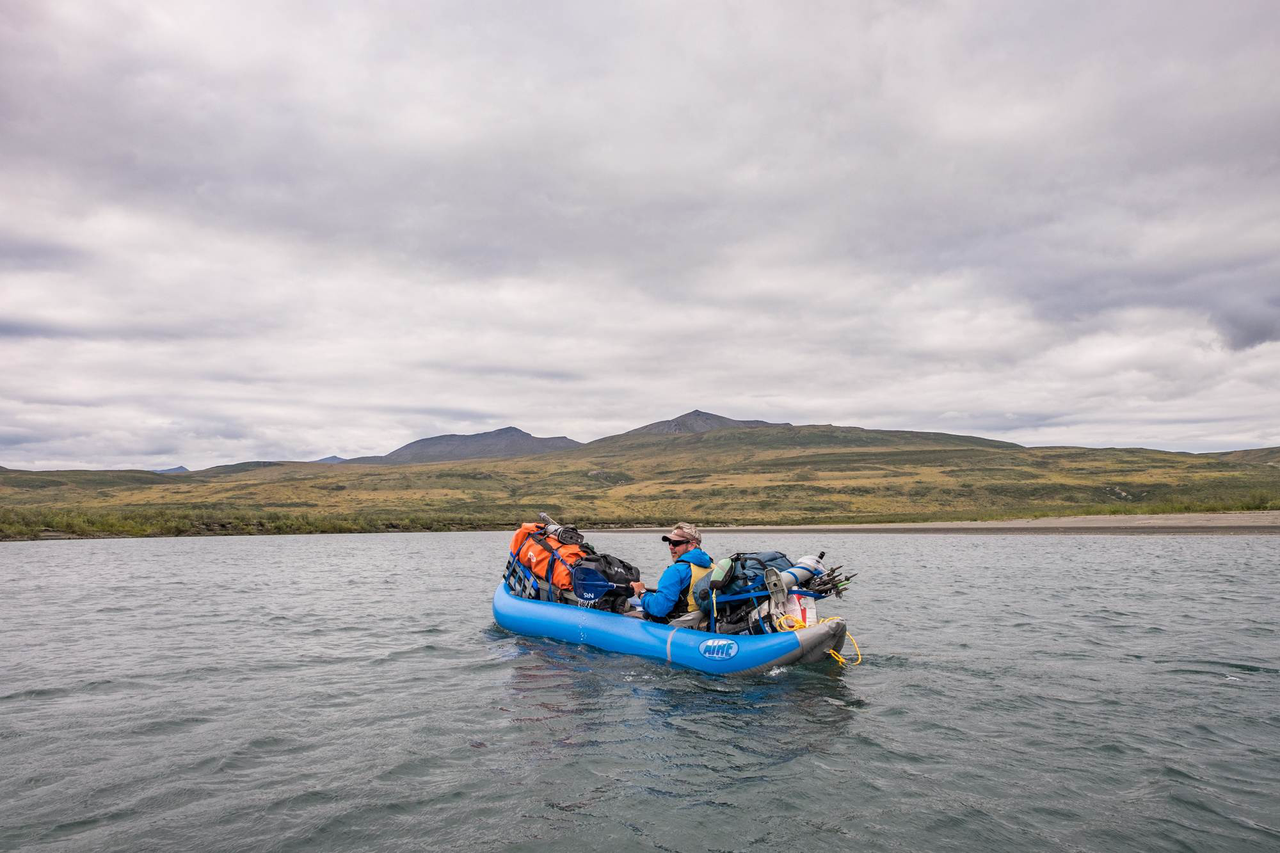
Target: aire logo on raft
[718,649]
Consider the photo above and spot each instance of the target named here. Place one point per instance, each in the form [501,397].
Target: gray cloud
[237,226]
[488,369]
[13,438]
[19,254]
[27,329]
[134,331]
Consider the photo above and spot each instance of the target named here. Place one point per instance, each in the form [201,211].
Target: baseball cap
[683,532]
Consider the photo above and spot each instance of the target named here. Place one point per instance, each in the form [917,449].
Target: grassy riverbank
[36,523]
[44,523]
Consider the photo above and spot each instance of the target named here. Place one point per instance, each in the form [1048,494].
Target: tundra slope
[759,475]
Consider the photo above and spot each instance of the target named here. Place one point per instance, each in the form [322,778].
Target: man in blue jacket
[690,562]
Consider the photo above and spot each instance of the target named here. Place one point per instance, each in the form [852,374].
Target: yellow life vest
[696,573]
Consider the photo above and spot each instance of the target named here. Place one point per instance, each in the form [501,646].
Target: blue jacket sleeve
[661,601]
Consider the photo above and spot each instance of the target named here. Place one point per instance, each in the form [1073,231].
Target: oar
[589,585]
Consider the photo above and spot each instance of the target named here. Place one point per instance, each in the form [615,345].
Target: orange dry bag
[536,550]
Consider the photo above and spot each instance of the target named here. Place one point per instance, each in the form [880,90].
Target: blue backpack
[745,577]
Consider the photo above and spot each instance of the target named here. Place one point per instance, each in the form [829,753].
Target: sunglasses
[675,543]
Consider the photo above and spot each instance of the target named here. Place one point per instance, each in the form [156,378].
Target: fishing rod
[566,533]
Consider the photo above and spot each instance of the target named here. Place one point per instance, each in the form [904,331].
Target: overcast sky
[246,230]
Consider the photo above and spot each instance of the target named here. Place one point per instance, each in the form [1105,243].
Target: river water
[351,693]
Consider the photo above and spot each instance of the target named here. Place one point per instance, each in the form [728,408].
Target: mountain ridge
[697,421]
[505,443]
[695,429]
[1256,455]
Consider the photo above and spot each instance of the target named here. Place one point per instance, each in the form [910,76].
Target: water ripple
[327,693]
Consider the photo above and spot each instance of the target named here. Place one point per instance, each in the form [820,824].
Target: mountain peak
[496,444]
[697,421]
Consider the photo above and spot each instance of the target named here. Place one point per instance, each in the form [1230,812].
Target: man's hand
[637,587]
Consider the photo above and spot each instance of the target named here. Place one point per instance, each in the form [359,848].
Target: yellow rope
[787,622]
[795,623]
[855,648]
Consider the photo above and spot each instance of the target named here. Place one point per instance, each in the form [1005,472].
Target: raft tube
[718,654]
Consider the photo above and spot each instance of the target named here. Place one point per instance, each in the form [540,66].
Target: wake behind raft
[754,611]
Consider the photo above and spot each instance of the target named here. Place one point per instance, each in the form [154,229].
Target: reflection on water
[577,693]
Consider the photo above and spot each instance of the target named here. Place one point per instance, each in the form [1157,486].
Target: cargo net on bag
[552,562]
[764,591]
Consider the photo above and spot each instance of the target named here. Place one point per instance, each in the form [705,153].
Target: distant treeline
[45,523]
[37,523]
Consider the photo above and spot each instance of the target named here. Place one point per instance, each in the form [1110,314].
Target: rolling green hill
[1261,456]
[695,421]
[759,475]
[504,443]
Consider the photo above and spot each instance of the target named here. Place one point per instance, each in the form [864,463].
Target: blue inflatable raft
[718,654]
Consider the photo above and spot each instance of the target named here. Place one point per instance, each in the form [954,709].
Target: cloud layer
[236,232]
